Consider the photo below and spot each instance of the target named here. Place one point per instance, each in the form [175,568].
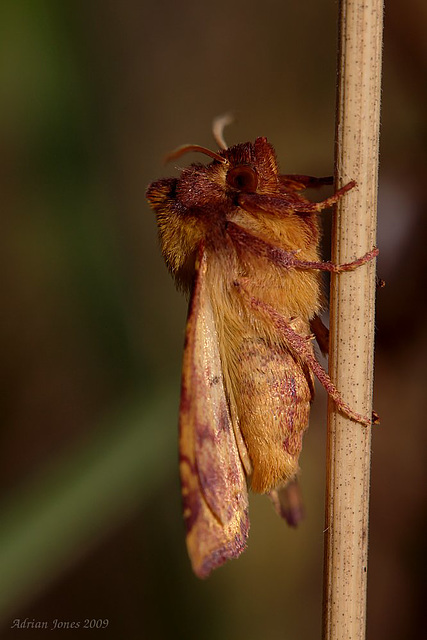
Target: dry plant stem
[352,321]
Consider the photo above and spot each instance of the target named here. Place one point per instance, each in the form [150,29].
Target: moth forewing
[212,476]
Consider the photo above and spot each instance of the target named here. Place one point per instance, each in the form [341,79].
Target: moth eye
[243,178]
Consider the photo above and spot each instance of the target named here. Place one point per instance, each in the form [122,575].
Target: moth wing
[213,480]
[288,502]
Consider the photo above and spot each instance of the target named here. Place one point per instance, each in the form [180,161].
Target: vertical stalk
[352,320]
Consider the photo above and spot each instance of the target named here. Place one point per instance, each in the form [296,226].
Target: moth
[241,239]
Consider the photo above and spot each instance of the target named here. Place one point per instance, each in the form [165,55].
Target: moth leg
[299,346]
[297,182]
[333,199]
[288,502]
[379,283]
[286,204]
[321,333]
[331,266]
[247,241]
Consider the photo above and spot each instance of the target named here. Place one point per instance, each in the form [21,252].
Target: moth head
[250,167]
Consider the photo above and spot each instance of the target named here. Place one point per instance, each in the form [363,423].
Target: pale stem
[352,320]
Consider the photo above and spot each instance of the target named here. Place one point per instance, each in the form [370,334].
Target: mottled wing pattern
[273,395]
[213,480]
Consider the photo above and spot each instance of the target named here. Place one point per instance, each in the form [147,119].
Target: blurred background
[93,94]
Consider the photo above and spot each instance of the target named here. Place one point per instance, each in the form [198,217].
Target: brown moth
[241,239]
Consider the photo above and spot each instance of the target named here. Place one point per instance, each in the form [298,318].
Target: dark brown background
[92,95]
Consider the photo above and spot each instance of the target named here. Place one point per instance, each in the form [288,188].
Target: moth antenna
[218,126]
[187,148]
